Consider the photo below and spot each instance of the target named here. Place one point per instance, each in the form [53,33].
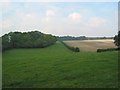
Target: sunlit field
[91,45]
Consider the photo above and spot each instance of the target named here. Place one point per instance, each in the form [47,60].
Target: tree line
[33,39]
[63,38]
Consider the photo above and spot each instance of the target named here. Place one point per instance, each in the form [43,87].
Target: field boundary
[108,49]
[74,49]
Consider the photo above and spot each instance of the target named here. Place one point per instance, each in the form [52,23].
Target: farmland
[91,45]
[58,67]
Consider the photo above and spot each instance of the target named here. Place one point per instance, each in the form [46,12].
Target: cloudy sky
[60,18]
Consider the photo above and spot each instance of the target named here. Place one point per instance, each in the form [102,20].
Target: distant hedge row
[33,39]
[108,49]
[75,49]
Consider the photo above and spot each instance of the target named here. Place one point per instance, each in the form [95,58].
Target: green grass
[0,70]
[58,67]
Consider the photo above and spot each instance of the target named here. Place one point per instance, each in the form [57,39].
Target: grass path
[57,66]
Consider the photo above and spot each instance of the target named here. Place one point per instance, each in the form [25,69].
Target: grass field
[58,67]
[0,70]
[91,45]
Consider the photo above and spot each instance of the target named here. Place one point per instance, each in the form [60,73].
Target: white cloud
[50,13]
[96,21]
[6,24]
[60,0]
[5,0]
[27,21]
[75,17]
[56,21]
[50,23]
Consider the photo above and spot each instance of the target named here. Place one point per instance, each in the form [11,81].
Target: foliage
[63,38]
[32,39]
[72,38]
[75,49]
[108,49]
[117,39]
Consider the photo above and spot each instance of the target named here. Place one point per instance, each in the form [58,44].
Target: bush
[108,49]
[75,49]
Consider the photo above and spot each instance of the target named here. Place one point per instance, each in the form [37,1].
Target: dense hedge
[33,39]
[117,39]
[108,49]
[75,49]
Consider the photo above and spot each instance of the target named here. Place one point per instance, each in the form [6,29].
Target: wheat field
[91,45]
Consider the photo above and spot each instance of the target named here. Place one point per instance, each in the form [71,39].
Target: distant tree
[117,39]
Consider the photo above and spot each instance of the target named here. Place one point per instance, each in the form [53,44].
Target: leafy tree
[117,39]
[6,42]
[16,39]
[32,39]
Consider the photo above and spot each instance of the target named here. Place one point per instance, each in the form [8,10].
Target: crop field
[91,45]
[58,67]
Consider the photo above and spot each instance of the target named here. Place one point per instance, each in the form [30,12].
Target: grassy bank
[57,66]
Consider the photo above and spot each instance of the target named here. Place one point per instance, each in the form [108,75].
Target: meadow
[91,45]
[0,70]
[58,67]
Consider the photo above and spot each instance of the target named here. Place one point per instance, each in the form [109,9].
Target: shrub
[75,49]
[108,49]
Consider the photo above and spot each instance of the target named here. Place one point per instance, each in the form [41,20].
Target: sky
[60,18]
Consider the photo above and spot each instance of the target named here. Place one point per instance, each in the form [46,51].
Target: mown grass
[0,70]
[58,67]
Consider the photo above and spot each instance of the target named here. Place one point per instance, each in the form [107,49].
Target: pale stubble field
[91,45]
